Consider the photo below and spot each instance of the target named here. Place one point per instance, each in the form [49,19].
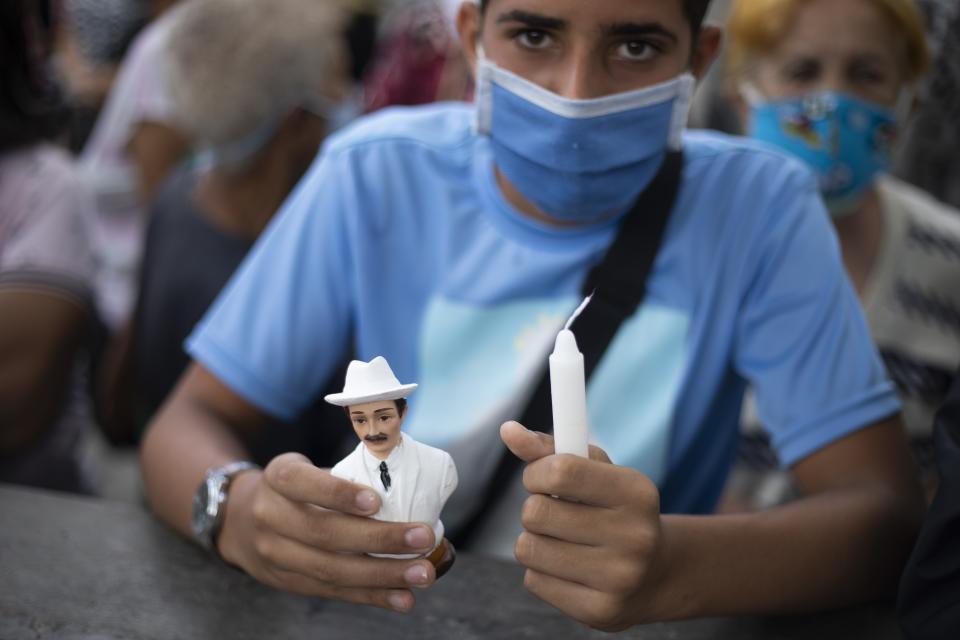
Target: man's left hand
[592,544]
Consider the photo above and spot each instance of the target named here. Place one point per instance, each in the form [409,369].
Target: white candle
[568,390]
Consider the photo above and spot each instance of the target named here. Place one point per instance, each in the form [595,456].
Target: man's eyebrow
[384,409]
[639,29]
[532,20]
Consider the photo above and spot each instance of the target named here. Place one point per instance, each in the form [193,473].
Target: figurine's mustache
[377,437]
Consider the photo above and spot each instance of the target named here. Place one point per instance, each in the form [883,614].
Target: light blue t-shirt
[400,240]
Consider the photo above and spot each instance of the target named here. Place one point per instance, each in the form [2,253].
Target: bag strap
[618,283]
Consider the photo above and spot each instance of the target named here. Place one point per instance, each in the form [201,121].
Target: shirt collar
[372,462]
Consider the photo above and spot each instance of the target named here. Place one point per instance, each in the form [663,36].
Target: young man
[454,240]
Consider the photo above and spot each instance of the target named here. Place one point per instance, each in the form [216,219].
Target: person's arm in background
[115,388]
[928,602]
[40,334]
[155,148]
[292,526]
[155,144]
[116,393]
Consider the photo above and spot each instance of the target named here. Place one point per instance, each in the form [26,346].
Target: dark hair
[695,10]
[360,36]
[401,404]
[30,109]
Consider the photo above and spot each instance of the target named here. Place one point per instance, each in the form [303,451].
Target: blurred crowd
[146,144]
[145,147]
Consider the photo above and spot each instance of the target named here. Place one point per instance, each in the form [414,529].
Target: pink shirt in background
[45,210]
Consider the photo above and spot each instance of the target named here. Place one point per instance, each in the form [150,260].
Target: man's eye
[636,50]
[533,39]
[864,75]
[806,71]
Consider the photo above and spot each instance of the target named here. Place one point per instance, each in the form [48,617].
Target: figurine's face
[378,425]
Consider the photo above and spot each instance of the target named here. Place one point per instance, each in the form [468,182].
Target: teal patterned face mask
[846,141]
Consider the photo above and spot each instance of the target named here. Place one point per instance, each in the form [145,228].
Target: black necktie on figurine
[385,475]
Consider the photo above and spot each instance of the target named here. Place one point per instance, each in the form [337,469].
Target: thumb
[525,444]
[532,445]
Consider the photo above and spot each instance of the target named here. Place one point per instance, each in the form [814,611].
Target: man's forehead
[596,11]
[373,407]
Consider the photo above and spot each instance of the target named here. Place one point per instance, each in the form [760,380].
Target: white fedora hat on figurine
[370,382]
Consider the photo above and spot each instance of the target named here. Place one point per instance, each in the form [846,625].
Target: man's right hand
[298,528]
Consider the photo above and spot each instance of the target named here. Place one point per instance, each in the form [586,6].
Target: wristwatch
[209,501]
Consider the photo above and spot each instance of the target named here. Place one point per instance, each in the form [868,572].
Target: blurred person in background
[830,82]
[92,38]
[362,37]
[133,147]
[46,269]
[928,157]
[927,603]
[255,83]
[418,58]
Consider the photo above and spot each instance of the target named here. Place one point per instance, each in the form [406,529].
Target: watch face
[208,501]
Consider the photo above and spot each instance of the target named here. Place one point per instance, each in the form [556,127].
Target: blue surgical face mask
[577,160]
[844,140]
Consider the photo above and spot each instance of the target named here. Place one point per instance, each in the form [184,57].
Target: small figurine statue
[412,479]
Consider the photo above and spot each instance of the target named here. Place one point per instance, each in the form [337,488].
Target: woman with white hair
[253,83]
[242,70]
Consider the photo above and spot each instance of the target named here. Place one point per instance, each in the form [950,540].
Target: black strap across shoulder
[618,283]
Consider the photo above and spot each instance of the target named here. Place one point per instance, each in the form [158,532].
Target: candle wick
[579,310]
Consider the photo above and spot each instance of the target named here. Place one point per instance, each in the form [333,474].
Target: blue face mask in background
[846,141]
[233,154]
[577,160]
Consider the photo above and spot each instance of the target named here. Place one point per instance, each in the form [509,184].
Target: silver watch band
[211,510]
[232,469]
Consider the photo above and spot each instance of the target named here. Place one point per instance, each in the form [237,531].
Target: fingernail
[415,575]
[398,602]
[417,538]
[366,501]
